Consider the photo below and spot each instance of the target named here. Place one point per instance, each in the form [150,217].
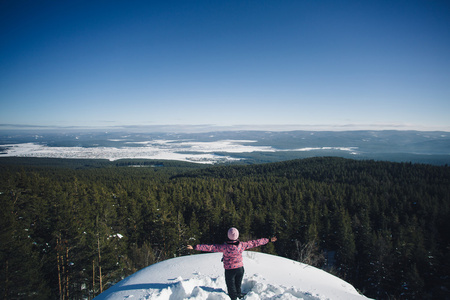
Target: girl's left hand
[189,247]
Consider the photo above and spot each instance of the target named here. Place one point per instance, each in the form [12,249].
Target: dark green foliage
[382,226]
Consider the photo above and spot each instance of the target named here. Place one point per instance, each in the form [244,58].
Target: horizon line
[238,127]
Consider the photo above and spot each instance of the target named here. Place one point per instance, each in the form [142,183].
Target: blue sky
[315,64]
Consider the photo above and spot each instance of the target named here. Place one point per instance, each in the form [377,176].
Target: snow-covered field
[201,277]
[199,152]
[191,151]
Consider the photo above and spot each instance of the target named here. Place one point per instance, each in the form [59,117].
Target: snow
[190,151]
[348,149]
[113,153]
[201,277]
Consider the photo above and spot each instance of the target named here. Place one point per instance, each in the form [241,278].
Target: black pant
[233,278]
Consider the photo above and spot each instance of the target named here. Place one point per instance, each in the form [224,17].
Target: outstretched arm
[257,243]
[207,248]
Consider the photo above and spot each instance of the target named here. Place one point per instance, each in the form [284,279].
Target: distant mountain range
[230,146]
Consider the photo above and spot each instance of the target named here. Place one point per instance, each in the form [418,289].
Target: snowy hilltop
[201,277]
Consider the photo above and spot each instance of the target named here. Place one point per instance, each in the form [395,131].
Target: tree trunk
[67,272]
[93,276]
[58,263]
[99,265]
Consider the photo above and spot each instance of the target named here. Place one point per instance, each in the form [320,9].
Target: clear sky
[323,64]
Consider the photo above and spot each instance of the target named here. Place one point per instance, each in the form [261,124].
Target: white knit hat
[233,234]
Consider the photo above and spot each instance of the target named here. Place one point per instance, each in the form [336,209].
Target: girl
[232,259]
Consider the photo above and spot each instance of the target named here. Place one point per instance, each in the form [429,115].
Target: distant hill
[231,146]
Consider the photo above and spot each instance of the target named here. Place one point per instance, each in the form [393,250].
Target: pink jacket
[232,253]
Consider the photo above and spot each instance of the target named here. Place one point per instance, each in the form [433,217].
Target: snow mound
[201,277]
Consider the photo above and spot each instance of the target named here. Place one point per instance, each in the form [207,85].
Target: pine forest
[72,228]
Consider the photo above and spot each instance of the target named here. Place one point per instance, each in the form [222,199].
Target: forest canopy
[72,228]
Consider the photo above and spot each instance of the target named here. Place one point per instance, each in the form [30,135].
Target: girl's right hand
[189,247]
